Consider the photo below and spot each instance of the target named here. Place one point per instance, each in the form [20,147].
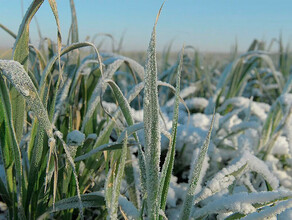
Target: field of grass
[99,135]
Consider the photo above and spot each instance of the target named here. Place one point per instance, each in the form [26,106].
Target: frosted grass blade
[117,182]
[65,50]
[35,161]
[79,74]
[18,77]
[134,65]
[195,175]
[55,12]
[20,49]
[74,25]
[53,5]
[71,161]
[130,130]
[106,132]
[40,57]
[20,54]
[169,161]
[5,99]
[62,96]
[18,112]
[94,199]
[99,89]
[104,147]
[123,103]
[160,83]
[6,123]
[126,110]
[151,127]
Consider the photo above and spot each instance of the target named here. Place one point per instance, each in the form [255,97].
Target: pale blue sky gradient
[208,25]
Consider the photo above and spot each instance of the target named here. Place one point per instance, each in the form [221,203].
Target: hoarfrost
[199,120]
[75,138]
[176,192]
[226,176]
[270,212]
[240,202]
[260,167]
[197,103]
[128,208]
[284,178]
[281,146]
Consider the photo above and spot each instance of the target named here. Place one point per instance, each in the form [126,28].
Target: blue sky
[208,25]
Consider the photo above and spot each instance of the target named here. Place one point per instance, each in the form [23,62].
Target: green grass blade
[4,194]
[35,162]
[59,36]
[6,143]
[71,161]
[113,212]
[130,130]
[108,188]
[20,49]
[18,77]
[90,200]
[6,136]
[18,112]
[134,195]
[126,110]
[20,54]
[151,127]
[34,130]
[40,57]
[5,99]
[123,103]
[52,61]
[125,107]
[195,175]
[273,118]
[169,161]
[104,147]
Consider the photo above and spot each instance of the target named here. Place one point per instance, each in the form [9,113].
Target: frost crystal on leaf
[75,138]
